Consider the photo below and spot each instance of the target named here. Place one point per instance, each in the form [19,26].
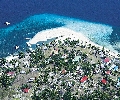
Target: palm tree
[35,96]
[5,80]
[67,95]
[59,42]
[24,86]
[2,61]
[46,94]
[21,54]
[89,46]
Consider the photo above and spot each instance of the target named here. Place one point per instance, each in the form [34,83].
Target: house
[104,81]
[26,90]
[22,72]
[31,80]
[11,73]
[106,60]
[51,74]
[102,65]
[16,64]
[114,67]
[10,66]
[83,79]
[77,58]
[116,60]
[26,63]
[44,47]
[78,68]
[34,69]
[63,71]
[108,72]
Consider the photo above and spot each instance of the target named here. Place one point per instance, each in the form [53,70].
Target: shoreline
[63,33]
[9,58]
[66,64]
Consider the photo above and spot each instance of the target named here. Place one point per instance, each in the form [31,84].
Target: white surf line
[65,32]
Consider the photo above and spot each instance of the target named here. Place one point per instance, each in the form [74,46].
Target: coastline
[9,58]
[31,70]
[63,33]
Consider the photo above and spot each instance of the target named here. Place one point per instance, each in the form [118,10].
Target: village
[61,70]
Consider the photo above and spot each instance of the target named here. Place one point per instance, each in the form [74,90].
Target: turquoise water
[16,34]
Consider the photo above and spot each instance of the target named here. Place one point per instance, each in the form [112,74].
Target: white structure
[112,67]
[78,68]
[26,63]
[16,47]
[45,48]
[34,69]
[11,66]
[22,72]
[31,79]
[51,74]
[102,65]
[16,64]
[7,23]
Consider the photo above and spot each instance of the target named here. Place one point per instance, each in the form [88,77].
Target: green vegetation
[53,74]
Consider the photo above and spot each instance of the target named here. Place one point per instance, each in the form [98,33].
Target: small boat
[7,23]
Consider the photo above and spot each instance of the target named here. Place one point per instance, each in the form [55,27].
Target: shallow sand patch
[65,33]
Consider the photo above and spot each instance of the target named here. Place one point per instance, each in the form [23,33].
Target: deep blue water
[97,19]
[16,35]
[102,11]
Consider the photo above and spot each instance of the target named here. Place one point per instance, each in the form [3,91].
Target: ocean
[96,19]
[102,11]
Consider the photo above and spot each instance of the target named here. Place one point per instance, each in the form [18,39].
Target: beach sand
[65,33]
[9,58]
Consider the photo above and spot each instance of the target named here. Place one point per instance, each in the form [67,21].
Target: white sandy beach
[9,58]
[65,33]
[57,32]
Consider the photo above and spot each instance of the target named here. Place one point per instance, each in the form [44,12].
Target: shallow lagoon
[104,35]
